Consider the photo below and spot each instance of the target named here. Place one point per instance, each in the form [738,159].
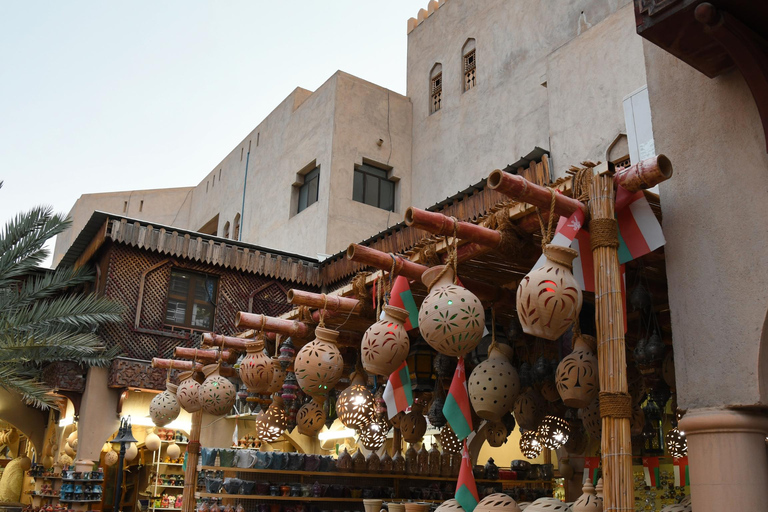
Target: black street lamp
[124,437]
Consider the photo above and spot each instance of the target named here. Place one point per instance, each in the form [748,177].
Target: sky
[104,96]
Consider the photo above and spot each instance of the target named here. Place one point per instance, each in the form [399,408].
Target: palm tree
[43,316]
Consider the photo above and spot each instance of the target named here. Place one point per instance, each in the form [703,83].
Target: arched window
[236,230]
[226,230]
[469,64]
[435,88]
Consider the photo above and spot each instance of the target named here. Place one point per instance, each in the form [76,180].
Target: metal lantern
[271,423]
[356,406]
[553,432]
[287,353]
[420,364]
[530,446]
[373,436]
[448,440]
[677,444]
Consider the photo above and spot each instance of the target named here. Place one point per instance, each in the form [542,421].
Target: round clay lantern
[549,297]
[553,431]
[217,393]
[529,409]
[451,318]
[271,423]
[311,417]
[319,364]
[448,440]
[497,502]
[256,368]
[449,506]
[590,417]
[278,377]
[494,384]
[188,392]
[173,451]
[576,376]
[110,459]
[373,436]
[414,425]
[548,504]
[164,407]
[356,406]
[386,344]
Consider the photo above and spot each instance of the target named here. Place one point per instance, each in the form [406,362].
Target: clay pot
[386,344]
[529,409]
[448,440]
[553,431]
[385,463]
[271,423]
[497,502]
[164,407]
[152,442]
[423,460]
[588,502]
[547,505]
[373,436]
[451,318]
[311,417]
[398,463]
[434,461]
[494,385]
[372,463]
[344,461]
[590,417]
[358,462]
[372,505]
[577,376]
[217,394]
[549,298]
[173,451]
[256,368]
[411,461]
[413,425]
[69,450]
[496,434]
[188,392]
[319,364]
[449,506]
[548,391]
[278,377]
[356,406]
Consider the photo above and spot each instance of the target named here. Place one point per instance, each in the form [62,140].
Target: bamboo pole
[644,174]
[206,356]
[326,302]
[520,189]
[157,362]
[616,442]
[211,339]
[190,472]
[439,224]
[258,321]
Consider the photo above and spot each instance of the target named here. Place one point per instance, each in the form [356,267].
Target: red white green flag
[398,394]
[466,490]
[456,409]
[402,297]
[591,469]
[682,478]
[651,471]
[639,230]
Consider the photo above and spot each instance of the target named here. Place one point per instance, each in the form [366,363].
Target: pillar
[727,457]
[98,415]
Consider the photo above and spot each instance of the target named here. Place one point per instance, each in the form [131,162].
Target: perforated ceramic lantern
[448,440]
[311,417]
[676,443]
[576,376]
[373,436]
[451,318]
[188,392]
[529,409]
[386,344]
[164,407]
[494,385]
[356,406]
[590,417]
[256,368]
[549,298]
[530,446]
[553,432]
[449,506]
[319,364]
[588,502]
[278,377]
[414,425]
[548,504]
[271,423]
[217,394]
[497,502]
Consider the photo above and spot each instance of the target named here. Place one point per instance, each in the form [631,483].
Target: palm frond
[32,391]
[71,312]
[38,288]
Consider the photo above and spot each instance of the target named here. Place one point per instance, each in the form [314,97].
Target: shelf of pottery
[66,490]
[167,480]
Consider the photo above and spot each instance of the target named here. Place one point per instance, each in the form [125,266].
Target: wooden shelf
[171,463]
[169,508]
[82,480]
[180,443]
[46,477]
[170,486]
[80,501]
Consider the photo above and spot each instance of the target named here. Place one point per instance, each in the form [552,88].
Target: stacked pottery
[451,318]
[577,376]
[549,297]
[256,368]
[311,417]
[386,344]
[188,392]
[217,393]
[494,384]
[164,407]
[319,364]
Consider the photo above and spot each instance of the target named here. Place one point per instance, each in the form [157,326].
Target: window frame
[363,170]
[308,178]
[190,300]
[470,82]
[436,92]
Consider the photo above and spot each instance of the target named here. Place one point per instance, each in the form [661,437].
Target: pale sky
[101,96]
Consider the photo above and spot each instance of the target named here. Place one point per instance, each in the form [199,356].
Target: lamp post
[124,437]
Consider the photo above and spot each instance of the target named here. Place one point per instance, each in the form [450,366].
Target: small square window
[372,186]
[309,190]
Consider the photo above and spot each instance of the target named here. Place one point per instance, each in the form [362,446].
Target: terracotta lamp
[530,446]
[497,502]
[386,344]
[217,394]
[319,364]
[256,368]
[494,385]
[164,407]
[553,432]
[356,406]
[271,423]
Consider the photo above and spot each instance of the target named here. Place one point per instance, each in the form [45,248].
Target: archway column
[728,460]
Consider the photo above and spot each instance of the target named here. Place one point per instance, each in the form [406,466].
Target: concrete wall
[169,206]
[518,45]
[714,209]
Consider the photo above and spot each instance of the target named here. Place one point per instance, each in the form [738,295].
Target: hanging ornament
[373,436]
[549,297]
[654,349]
[256,367]
[435,412]
[110,459]
[287,353]
[278,377]
[448,440]
[188,392]
[577,377]
[290,386]
[668,370]
[639,298]
[356,406]
[173,451]
[217,393]
[553,432]
[530,446]
[164,407]
[152,442]
[529,409]
[69,450]
[271,423]
[496,433]
[414,425]
[451,318]
[676,443]
[70,438]
[494,385]
[319,364]
[311,417]
[397,419]
[386,344]
[590,417]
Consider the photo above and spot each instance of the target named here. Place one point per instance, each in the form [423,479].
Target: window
[125,206]
[436,88]
[141,205]
[236,235]
[469,64]
[372,186]
[226,229]
[308,191]
[191,300]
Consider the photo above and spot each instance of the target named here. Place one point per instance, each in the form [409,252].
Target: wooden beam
[324,301]
[218,340]
[206,356]
[259,322]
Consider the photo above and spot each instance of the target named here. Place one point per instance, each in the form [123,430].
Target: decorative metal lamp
[271,423]
[373,436]
[553,432]
[124,438]
[356,406]
[530,445]
[420,364]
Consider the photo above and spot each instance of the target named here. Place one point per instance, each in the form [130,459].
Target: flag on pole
[682,478]
[466,489]
[456,408]
[591,469]
[651,471]
[398,394]
[402,297]
[639,229]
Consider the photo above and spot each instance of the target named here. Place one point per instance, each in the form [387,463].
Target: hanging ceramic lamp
[271,423]
[256,368]
[529,409]
[287,353]
[448,440]
[319,364]
[549,297]
[494,385]
[217,393]
[386,344]
[152,442]
[414,425]
[530,446]
[553,432]
[590,417]
[676,443]
[451,318]
[188,392]
[577,375]
[164,407]
[311,417]
[278,377]
[356,406]
[373,436]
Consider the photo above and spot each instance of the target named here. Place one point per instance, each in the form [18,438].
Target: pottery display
[319,365]
[529,409]
[451,318]
[188,392]
[385,463]
[577,374]
[371,505]
[414,425]
[497,502]
[386,344]
[256,368]
[588,502]
[344,461]
[398,463]
[217,394]
[356,406]
[372,463]
[358,462]
[164,407]
[549,298]
[493,385]
[311,417]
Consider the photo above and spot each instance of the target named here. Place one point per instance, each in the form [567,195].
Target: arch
[236,229]
[226,229]
[468,65]
[435,88]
